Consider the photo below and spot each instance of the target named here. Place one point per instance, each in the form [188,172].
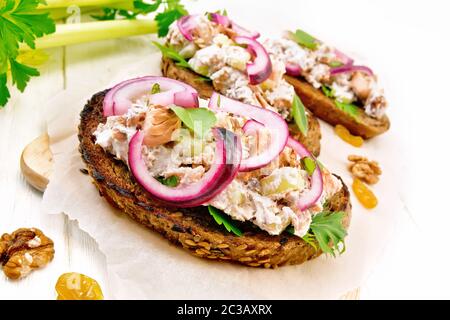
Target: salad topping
[326,67]
[249,74]
[200,167]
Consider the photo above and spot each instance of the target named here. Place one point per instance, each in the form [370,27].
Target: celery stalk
[50,4]
[69,34]
[62,13]
[58,13]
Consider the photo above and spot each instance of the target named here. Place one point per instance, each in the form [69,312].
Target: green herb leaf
[171,181]
[107,14]
[19,23]
[221,12]
[203,79]
[311,240]
[328,230]
[139,7]
[156,88]
[335,64]
[21,74]
[174,11]
[145,8]
[327,91]
[4,92]
[304,39]
[171,53]
[348,108]
[199,120]
[309,165]
[308,238]
[299,114]
[290,230]
[223,219]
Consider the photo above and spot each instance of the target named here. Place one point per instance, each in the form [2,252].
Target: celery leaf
[20,22]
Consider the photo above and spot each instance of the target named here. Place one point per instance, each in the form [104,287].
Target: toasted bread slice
[325,108]
[205,90]
[193,229]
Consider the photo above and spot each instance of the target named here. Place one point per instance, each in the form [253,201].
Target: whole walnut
[24,250]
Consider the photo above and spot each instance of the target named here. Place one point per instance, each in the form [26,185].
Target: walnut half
[24,250]
[362,168]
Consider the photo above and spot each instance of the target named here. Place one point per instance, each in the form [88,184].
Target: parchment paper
[142,264]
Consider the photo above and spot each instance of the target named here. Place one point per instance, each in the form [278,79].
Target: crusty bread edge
[325,108]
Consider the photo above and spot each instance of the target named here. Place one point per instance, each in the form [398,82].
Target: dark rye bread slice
[193,229]
[325,108]
[205,90]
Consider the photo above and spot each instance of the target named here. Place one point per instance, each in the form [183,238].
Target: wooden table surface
[24,119]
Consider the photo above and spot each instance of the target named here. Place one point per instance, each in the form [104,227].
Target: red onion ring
[242,32]
[277,127]
[351,68]
[119,99]
[342,57]
[220,19]
[261,68]
[227,22]
[186,24]
[309,198]
[293,70]
[219,176]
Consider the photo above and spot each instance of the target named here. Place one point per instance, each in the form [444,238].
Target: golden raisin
[364,194]
[77,286]
[345,135]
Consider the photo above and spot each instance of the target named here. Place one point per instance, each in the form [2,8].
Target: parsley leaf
[173,10]
[171,53]
[156,88]
[199,120]
[311,240]
[299,114]
[19,23]
[348,108]
[4,92]
[144,8]
[33,58]
[308,238]
[165,19]
[139,7]
[180,61]
[335,64]
[21,74]
[203,79]
[309,165]
[327,91]
[304,39]
[222,219]
[171,181]
[328,229]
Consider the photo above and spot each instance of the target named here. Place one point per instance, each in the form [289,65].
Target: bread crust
[325,108]
[205,89]
[192,229]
